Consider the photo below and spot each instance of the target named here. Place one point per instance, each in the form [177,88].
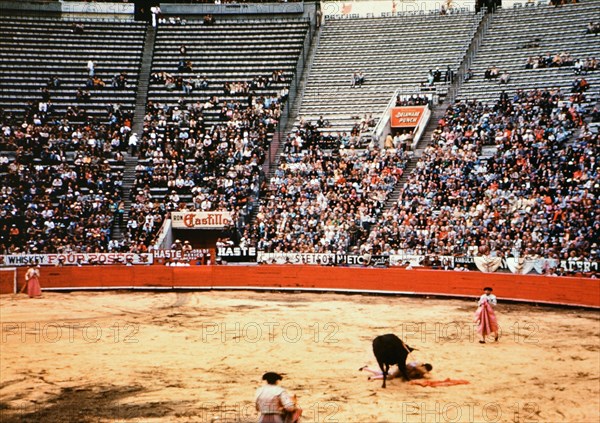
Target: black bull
[389,350]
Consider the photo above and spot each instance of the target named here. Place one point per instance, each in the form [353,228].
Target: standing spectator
[449,77]
[133,141]
[90,67]
[155,10]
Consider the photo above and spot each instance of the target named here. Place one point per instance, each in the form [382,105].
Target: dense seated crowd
[550,61]
[536,196]
[412,100]
[59,193]
[308,134]
[196,166]
[580,66]
[325,201]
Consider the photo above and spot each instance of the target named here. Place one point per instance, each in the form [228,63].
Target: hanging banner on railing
[201,220]
[406,117]
[75,259]
[325,259]
[237,254]
[389,8]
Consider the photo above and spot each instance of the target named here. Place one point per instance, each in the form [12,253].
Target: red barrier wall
[543,289]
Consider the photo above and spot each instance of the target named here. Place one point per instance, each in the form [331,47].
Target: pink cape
[33,287]
[486,319]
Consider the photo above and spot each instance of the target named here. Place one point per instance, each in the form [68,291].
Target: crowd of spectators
[580,66]
[537,195]
[436,76]
[412,100]
[584,66]
[550,61]
[187,164]
[60,192]
[325,200]
[309,134]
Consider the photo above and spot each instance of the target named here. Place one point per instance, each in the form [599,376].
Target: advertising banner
[327,259]
[74,259]
[406,117]
[201,220]
[390,8]
[237,254]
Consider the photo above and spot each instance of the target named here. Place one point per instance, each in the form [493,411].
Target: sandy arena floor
[199,357]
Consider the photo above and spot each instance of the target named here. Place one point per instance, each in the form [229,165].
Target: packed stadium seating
[536,195]
[510,170]
[323,201]
[61,150]
[214,102]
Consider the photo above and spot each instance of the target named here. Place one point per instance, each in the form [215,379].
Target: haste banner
[237,254]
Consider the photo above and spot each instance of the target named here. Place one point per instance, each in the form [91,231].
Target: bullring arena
[195,194]
[197,356]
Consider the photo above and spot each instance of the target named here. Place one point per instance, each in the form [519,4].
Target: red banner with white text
[406,117]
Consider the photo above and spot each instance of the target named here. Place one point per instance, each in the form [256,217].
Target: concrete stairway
[131,161]
[295,107]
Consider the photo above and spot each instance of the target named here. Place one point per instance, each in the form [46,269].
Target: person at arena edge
[485,316]
[274,403]
[32,281]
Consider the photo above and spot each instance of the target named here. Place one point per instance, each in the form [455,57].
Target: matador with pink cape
[485,317]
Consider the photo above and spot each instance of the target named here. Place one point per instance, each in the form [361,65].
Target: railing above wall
[73,7]
[232,8]
[187,8]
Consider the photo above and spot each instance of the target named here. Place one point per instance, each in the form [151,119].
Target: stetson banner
[323,259]
[201,220]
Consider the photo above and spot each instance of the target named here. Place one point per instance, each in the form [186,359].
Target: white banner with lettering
[74,259]
[388,8]
[324,259]
[201,220]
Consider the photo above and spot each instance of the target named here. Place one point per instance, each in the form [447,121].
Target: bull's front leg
[403,371]
[385,373]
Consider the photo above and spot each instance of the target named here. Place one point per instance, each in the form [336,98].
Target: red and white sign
[74,259]
[406,117]
[201,220]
